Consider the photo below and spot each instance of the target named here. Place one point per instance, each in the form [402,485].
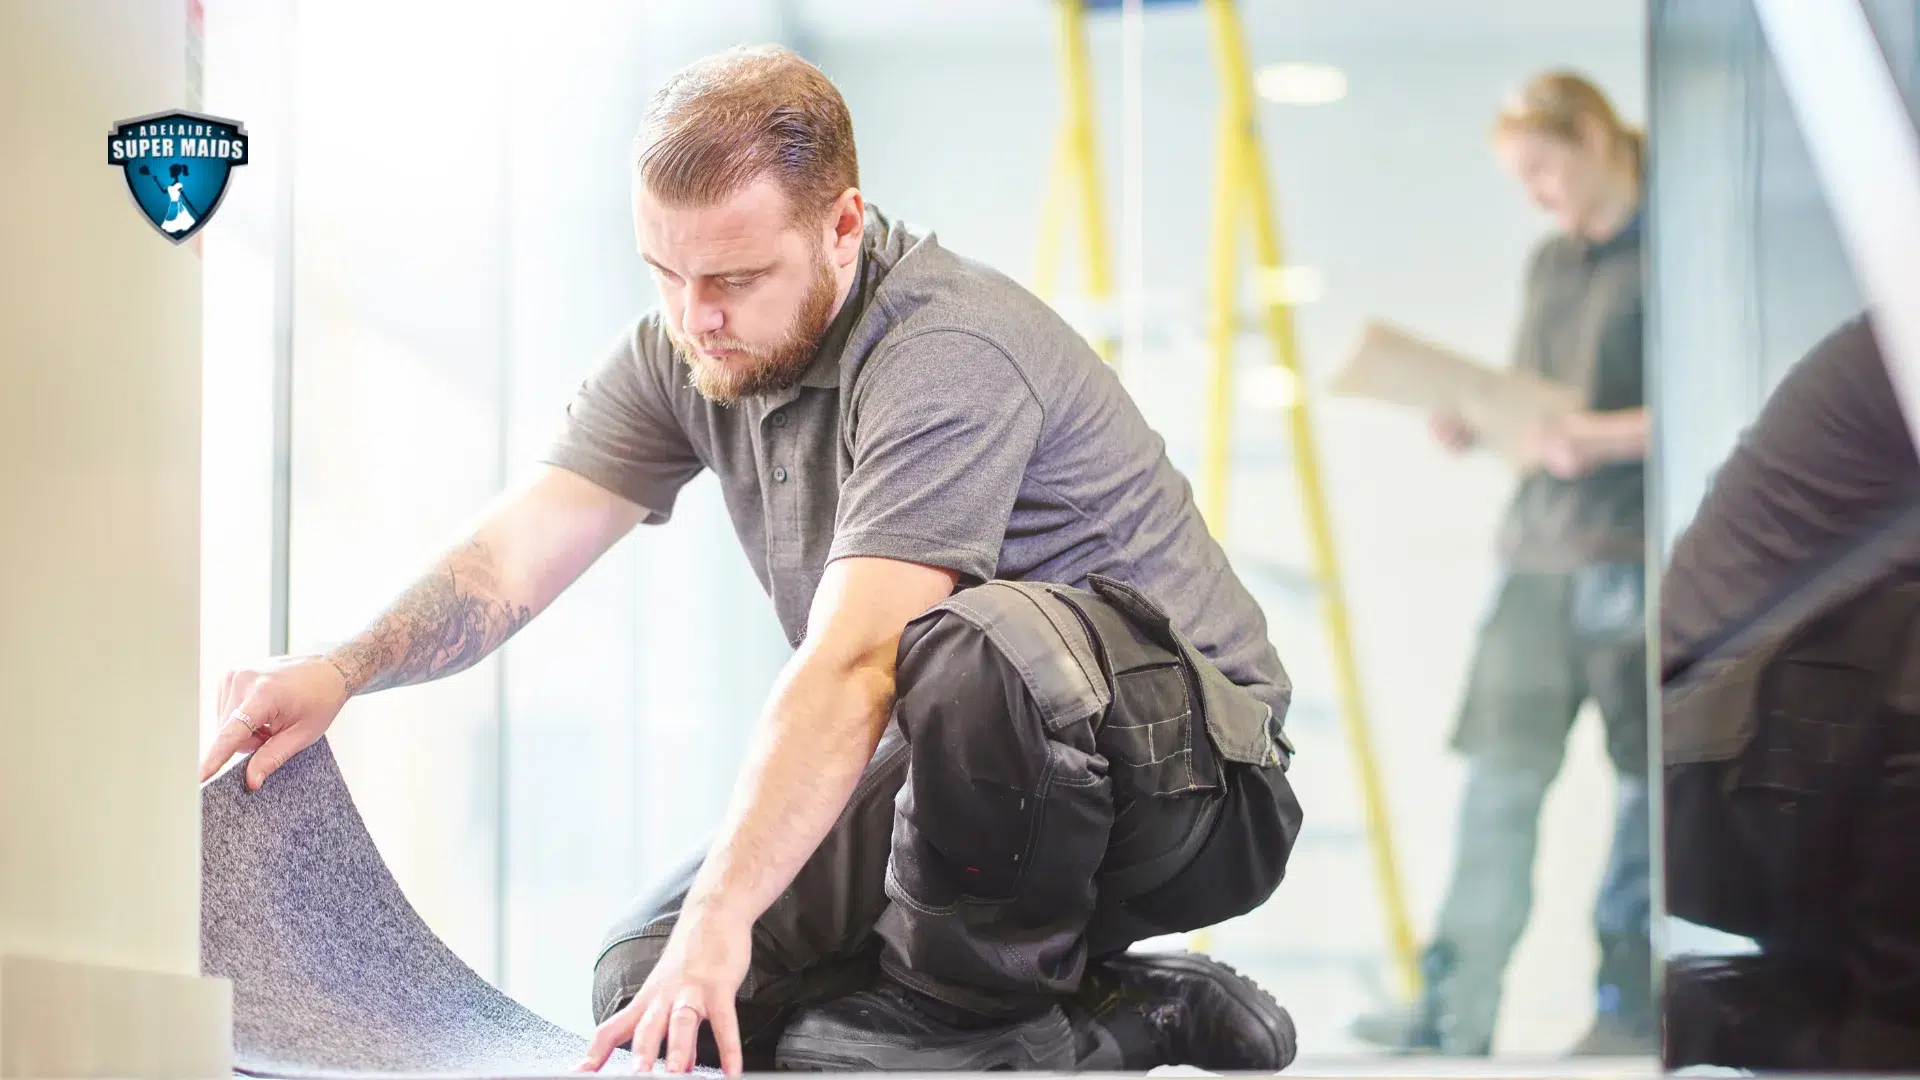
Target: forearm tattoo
[447,622]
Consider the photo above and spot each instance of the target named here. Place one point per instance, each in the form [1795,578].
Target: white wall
[99,556]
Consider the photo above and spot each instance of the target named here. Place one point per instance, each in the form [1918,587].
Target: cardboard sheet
[1395,366]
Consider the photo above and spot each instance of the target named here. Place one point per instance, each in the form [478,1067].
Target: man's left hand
[696,980]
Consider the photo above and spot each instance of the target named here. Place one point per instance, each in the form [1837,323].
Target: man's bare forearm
[822,727]
[447,622]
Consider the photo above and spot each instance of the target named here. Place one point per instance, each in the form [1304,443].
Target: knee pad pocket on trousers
[1148,736]
[621,971]
[990,852]
[1240,865]
[1711,880]
[1070,830]
[1791,794]
[994,759]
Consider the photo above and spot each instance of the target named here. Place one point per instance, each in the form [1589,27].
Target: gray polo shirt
[952,419]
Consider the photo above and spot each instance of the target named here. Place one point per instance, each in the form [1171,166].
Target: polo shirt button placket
[783,522]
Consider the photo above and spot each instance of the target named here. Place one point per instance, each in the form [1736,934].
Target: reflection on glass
[1793,781]
[1789,601]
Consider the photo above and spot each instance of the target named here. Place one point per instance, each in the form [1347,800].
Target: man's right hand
[275,711]
[1451,431]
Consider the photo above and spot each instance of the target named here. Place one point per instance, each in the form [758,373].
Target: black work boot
[1138,1011]
[891,1028]
[1625,1022]
[1745,1012]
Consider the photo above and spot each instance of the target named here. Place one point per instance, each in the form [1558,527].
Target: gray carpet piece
[334,973]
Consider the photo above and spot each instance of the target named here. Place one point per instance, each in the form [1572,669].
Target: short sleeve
[621,432]
[942,428]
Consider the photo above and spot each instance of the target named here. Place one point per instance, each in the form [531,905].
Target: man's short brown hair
[722,123]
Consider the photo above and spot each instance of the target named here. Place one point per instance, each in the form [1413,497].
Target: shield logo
[177,165]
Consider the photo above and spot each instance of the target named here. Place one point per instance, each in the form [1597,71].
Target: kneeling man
[1032,715]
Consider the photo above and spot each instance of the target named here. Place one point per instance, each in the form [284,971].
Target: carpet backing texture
[333,972]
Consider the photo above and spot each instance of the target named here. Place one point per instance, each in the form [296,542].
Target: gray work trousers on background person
[1063,775]
[1552,642]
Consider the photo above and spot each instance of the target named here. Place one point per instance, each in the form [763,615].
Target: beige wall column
[99,559]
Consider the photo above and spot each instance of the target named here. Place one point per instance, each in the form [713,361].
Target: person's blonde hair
[1553,104]
[724,122]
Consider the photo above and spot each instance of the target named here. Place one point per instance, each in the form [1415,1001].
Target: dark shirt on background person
[1581,324]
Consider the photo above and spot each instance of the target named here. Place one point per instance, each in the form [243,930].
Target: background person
[1568,624]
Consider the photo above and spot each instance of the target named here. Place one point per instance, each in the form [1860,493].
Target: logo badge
[177,165]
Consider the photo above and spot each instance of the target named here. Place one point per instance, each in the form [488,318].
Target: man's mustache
[726,346]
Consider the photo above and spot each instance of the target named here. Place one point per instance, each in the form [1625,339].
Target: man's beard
[763,369]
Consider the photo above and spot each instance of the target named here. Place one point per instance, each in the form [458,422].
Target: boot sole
[1044,1043]
[1272,1016]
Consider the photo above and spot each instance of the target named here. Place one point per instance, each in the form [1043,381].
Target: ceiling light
[1269,386]
[1296,83]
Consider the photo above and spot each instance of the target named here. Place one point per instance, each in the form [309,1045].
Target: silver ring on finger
[690,1007]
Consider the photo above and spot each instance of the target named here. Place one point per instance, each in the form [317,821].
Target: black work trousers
[1808,841]
[1063,775]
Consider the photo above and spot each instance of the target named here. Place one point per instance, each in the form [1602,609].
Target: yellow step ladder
[1242,206]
